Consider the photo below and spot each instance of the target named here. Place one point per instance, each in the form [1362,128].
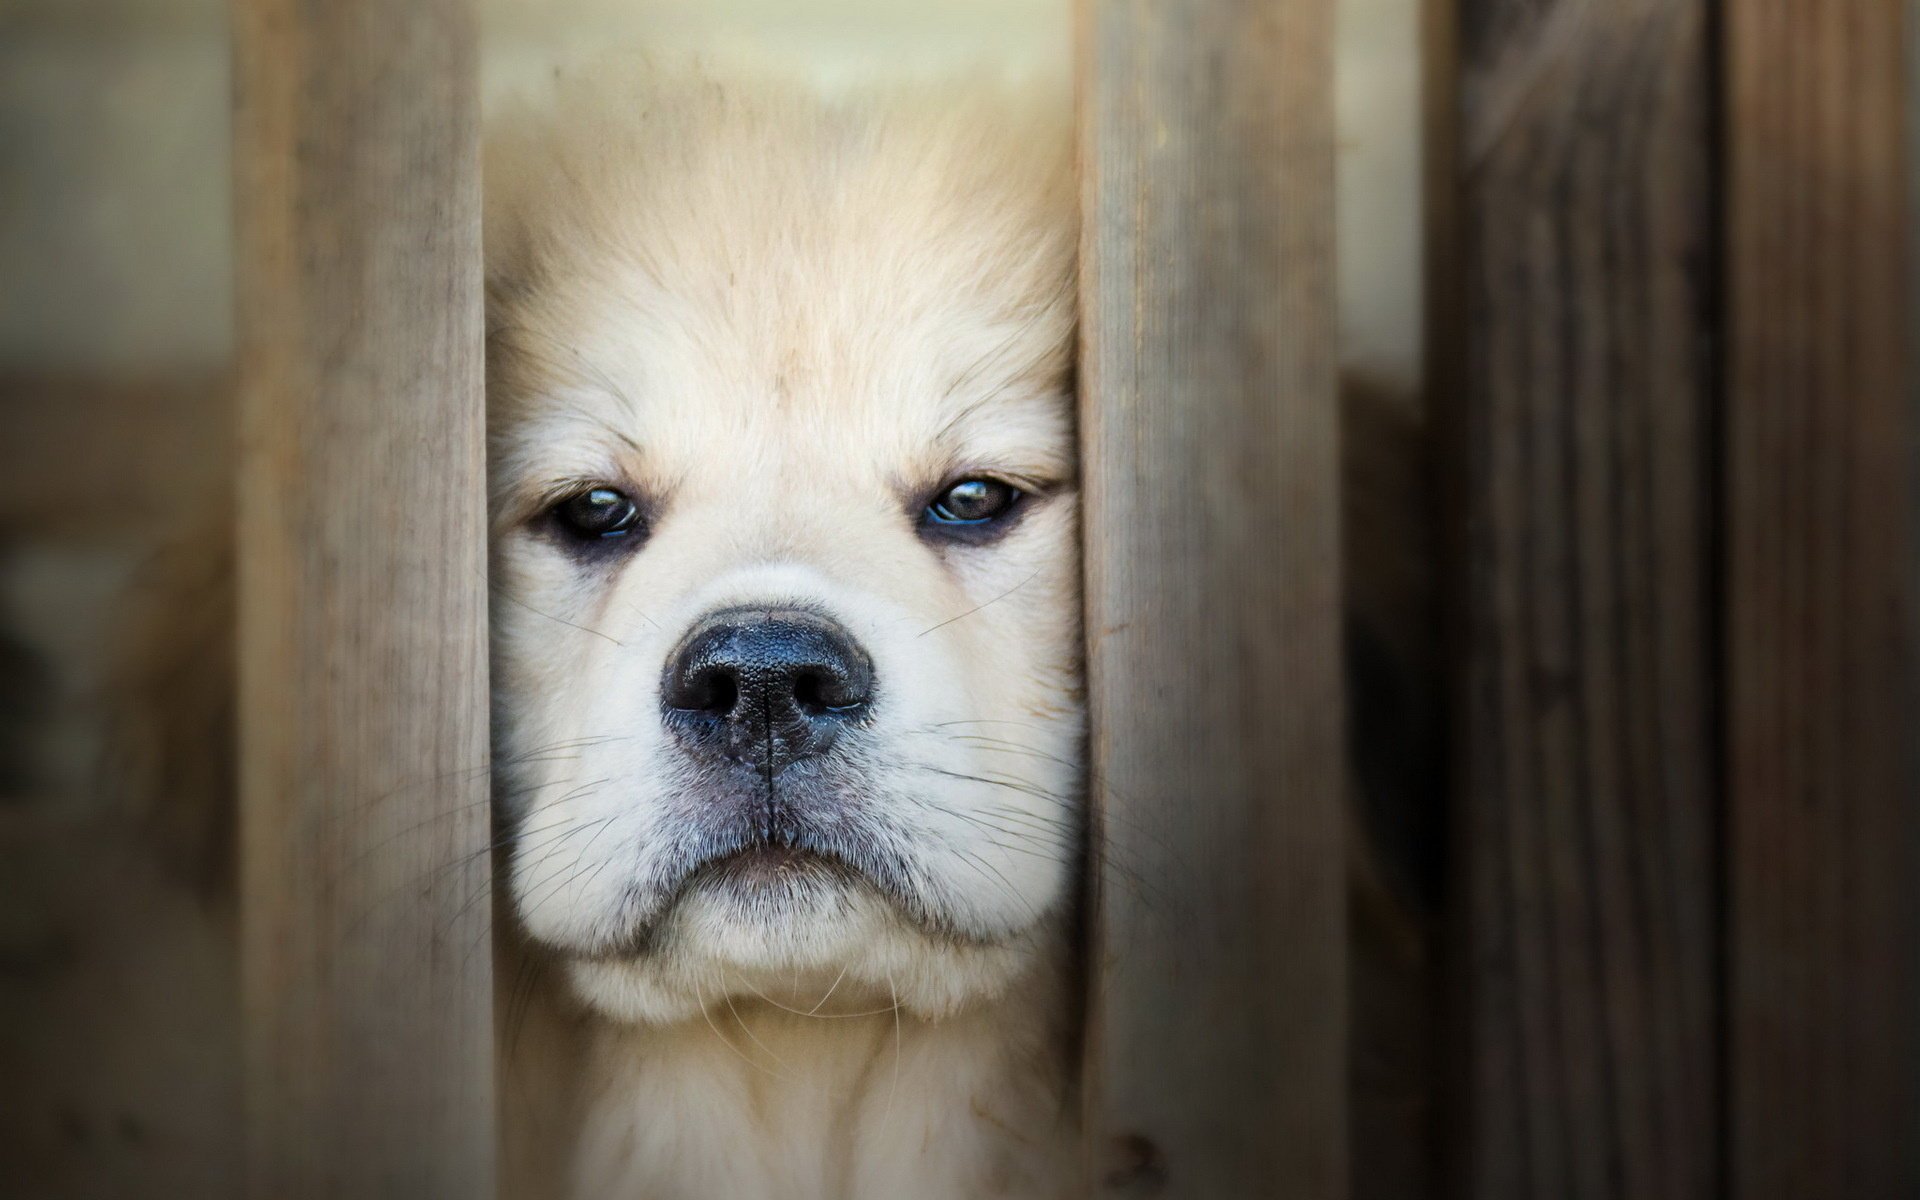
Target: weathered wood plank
[1824,800]
[1585,725]
[364,825]
[1209,425]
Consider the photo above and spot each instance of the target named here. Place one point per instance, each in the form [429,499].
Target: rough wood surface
[364,825]
[1823,725]
[1585,722]
[1217,1055]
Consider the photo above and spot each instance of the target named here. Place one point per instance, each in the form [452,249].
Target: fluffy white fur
[785,320]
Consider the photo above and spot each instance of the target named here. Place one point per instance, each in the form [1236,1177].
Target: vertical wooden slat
[1209,431]
[1824,799]
[364,820]
[1585,726]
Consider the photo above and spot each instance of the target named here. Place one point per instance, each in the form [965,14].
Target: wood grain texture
[1824,800]
[363,669]
[1585,725]
[1209,424]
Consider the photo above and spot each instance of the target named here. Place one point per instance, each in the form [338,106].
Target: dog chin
[807,939]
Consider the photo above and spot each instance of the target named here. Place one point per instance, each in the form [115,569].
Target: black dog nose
[766,687]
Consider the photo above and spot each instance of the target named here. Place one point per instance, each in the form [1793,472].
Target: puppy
[787,652]
[787,656]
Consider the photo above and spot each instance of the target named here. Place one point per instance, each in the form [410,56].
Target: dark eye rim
[937,511]
[979,530]
[630,521]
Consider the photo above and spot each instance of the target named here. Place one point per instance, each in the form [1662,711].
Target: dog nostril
[714,691]
[821,692]
[772,685]
[806,690]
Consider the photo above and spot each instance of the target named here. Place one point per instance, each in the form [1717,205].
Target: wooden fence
[1673,436]
[362,602]
[1685,718]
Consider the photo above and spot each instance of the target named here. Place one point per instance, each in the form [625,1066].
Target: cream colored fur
[785,319]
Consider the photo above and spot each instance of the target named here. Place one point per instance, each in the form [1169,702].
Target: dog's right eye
[598,514]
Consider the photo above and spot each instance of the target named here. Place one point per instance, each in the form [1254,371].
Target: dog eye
[973,502]
[598,513]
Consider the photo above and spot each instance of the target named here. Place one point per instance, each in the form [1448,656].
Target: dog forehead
[872,379]
[896,374]
[735,276]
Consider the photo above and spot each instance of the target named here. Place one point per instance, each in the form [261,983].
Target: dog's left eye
[973,502]
[599,513]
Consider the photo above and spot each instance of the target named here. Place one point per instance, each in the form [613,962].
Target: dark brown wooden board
[366,955]
[1580,423]
[1824,799]
[1210,436]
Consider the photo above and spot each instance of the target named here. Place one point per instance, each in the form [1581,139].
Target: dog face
[786,600]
